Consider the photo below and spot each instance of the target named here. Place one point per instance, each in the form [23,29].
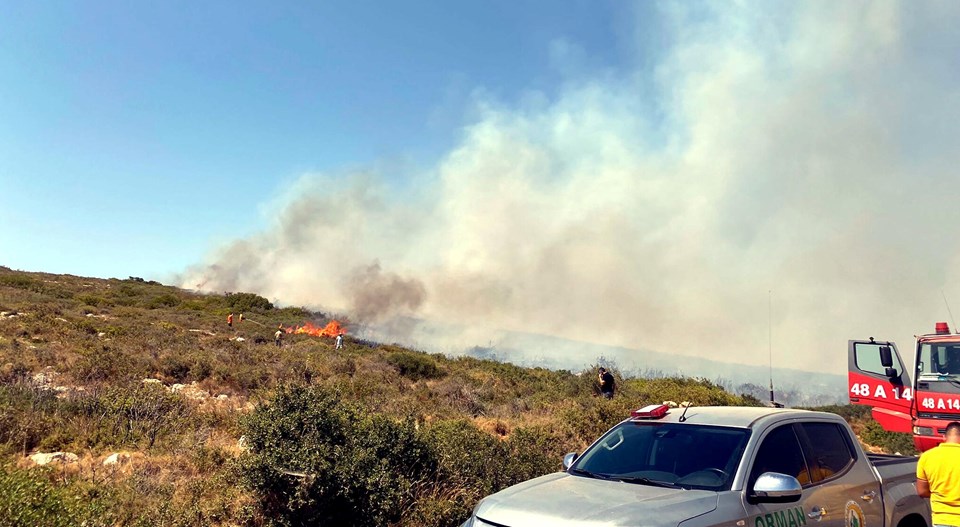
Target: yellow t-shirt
[940,466]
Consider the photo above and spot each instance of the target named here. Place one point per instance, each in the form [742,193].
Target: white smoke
[802,154]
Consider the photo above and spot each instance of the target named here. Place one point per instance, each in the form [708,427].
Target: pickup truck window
[780,452]
[831,451]
[688,456]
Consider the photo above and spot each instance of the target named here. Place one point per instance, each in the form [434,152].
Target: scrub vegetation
[229,429]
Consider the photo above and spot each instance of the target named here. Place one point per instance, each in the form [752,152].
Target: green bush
[164,300]
[242,302]
[18,281]
[103,363]
[318,461]
[415,366]
[893,442]
[27,415]
[94,300]
[28,499]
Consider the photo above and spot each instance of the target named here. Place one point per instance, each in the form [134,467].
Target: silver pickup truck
[717,466]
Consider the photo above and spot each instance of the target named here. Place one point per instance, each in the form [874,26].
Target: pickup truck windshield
[666,454]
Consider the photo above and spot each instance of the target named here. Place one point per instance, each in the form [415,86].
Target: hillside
[176,418]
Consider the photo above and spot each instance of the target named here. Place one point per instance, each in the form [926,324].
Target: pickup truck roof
[736,416]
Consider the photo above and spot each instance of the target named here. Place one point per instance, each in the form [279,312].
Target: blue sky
[135,137]
[640,174]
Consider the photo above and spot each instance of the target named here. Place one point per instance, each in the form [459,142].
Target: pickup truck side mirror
[568,460]
[890,372]
[773,487]
[886,357]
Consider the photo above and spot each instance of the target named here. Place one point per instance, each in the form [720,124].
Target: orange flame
[332,329]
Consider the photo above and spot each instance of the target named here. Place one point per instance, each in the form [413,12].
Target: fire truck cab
[920,396]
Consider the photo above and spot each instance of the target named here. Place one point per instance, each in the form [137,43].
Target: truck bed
[892,468]
[880,460]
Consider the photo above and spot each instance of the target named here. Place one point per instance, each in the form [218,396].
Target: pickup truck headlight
[922,431]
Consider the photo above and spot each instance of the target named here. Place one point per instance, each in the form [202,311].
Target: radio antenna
[770,340]
[954,322]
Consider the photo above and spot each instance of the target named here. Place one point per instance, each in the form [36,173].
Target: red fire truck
[920,396]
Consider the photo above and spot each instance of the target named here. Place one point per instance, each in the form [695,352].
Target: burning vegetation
[333,329]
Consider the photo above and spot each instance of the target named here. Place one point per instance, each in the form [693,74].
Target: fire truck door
[876,377]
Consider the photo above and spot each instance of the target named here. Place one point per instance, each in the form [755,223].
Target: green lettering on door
[768,518]
[801,517]
[780,518]
[758,522]
[791,519]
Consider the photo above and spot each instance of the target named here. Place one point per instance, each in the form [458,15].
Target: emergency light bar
[942,328]
[653,411]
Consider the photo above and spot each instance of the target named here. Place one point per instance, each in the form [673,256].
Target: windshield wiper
[648,481]
[587,473]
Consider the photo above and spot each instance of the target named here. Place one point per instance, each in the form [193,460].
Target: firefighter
[278,337]
[339,341]
[230,320]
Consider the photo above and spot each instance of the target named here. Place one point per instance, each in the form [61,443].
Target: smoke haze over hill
[806,149]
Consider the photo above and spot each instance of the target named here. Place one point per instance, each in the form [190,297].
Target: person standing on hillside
[339,341]
[230,320]
[278,337]
[938,478]
[607,384]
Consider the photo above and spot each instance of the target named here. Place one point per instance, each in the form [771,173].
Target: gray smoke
[802,153]
[375,296]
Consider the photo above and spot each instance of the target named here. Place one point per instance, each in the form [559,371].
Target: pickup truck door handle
[868,496]
[816,513]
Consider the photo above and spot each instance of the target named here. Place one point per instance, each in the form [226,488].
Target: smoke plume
[792,161]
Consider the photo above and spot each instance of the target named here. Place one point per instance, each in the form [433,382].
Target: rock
[222,397]
[685,404]
[45,379]
[41,458]
[116,458]
[671,404]
[101,334]
[152,381]
[190,391]
[242,443]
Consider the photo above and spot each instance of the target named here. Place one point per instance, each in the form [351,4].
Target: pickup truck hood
[562,500]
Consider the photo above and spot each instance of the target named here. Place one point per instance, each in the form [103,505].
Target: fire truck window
[951,360]
[831,451]
[928,363]
[939,359]
[867,356]
[780,452]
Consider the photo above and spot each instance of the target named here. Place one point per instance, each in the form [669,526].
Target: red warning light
[943,328]
[653,411]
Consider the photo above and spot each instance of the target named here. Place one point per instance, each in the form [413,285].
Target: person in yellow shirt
[938,478]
